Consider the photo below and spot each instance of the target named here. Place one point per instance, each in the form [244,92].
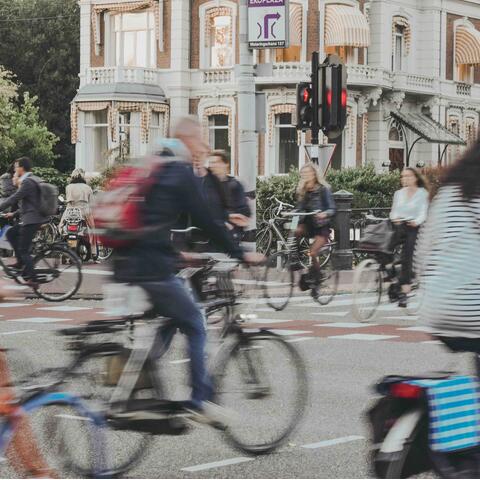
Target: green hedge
[53,176]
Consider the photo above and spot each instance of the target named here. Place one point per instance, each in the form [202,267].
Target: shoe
[209,414]
[402,300]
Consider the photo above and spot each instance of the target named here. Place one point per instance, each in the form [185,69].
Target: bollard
[342,254]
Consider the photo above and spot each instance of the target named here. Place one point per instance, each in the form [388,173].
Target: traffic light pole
[315,102]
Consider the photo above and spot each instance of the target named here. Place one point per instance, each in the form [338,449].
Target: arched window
[396,132]
[454,127]
[396,141]
[294,52]
[218,36]
[471,131]
[401,42]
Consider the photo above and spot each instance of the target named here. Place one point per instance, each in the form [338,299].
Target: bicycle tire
[51,284]
[327,289]
[278,280]
[89,378]
[367,276]
[258,349]
[104,253]
[264,239]
[46,427]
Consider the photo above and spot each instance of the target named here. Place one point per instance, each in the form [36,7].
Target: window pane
[219,120]
[134,21]
[220,42]
[284,119]
[129,49]
[141,49]
[398,52]
[287,149]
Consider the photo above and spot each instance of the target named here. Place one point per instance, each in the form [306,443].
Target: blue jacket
[319,199]
[175,194]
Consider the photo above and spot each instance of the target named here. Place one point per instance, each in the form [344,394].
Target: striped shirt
[448,264]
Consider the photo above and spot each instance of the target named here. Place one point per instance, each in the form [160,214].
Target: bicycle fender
[401,431]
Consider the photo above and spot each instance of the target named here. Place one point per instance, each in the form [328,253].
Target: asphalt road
[343,360]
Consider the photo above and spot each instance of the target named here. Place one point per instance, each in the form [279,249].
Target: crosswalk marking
[363,336]
[345,325]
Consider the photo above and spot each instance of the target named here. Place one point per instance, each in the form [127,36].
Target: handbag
[377,237]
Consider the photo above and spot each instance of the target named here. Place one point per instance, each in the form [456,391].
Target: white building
[413,67]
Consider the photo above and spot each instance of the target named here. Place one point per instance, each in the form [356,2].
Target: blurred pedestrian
[7,186]
[313,193]
[447,258]
[236,201]
[409,211]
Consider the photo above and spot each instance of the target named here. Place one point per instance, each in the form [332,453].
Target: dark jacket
[7,188]
[235,197]
[175,193]
[319,199]
[28,199]
[211,189]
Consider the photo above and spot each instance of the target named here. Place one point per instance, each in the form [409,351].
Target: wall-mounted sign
[268,23]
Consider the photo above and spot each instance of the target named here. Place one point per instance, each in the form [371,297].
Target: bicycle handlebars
[300,214]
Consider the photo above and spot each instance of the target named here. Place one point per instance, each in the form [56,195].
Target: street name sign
[268,23]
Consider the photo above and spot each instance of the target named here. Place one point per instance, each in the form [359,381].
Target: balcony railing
[464,89]
[215,76]
[108,75]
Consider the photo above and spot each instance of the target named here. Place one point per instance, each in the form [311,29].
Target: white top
[412,208]
[447,261]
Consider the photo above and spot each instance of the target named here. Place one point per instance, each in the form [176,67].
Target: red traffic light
[344,98]
[329,98]
[306,95]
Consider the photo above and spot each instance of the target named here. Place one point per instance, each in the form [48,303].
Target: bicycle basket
[377,237]
[73,215]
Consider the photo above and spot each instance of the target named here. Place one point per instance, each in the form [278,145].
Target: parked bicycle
[279,279]
[58,271]
[273,235]
[376,274]
[254,372]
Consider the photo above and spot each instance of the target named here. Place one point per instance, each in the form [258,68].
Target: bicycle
[29,424]
[133,393]
[58,271]
[371,277]
[270,236]
[281,267]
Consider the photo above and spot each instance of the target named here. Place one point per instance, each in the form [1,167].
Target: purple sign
[266,3]
[268,23]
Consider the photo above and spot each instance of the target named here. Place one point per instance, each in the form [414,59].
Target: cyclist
[236,201]
[313,193]
[447,259]
[151,262]
[21,235]
[409,211]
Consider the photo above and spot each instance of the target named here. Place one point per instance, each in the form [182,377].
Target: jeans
[171,299]
[406,235]
[21,237]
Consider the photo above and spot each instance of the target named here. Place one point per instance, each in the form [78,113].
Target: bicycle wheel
[58,272]
[278,280]
[104,253]
[263,239]
[328,286]
[367,290]
[94,378]
[262,380]
[55,428]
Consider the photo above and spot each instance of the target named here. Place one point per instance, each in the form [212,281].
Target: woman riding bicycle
[409,211]
[313,194]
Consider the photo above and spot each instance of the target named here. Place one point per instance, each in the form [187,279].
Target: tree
[40,43]
[22,132]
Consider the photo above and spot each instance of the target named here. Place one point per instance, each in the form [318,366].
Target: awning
[467,46]
[427,128]
[346,26]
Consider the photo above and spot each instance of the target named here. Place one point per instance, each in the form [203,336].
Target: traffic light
[333,98]
[304,106]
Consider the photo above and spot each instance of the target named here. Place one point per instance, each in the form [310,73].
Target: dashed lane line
[346,325]
[299,339]
[15,332]
[221,463]
[363,336]
[333,441]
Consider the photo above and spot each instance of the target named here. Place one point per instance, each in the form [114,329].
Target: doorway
[397,158]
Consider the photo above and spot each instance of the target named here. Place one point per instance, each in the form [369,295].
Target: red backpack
[118,212]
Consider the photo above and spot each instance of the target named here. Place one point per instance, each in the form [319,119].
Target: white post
[247,137]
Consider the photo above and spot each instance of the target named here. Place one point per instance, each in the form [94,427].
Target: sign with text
[268,23]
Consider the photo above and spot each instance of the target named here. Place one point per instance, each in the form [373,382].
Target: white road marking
[264,309]
[40,320]
[270,320]
[14,305]
[346,325]
[331,314]
[290,332]
[333,441]
[74,417]
[92,271]
[433,342]
[64,308]
[176,362]
[299,339]
[17,331]
[363,336]
[416,329]
[221,463]
[402,317]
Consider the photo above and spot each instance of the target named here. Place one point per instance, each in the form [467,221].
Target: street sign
[268,23]
[324,153]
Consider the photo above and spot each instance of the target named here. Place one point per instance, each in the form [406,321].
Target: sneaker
[209,414]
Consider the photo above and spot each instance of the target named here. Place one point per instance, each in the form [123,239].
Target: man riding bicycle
[151,262]
[21,235]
